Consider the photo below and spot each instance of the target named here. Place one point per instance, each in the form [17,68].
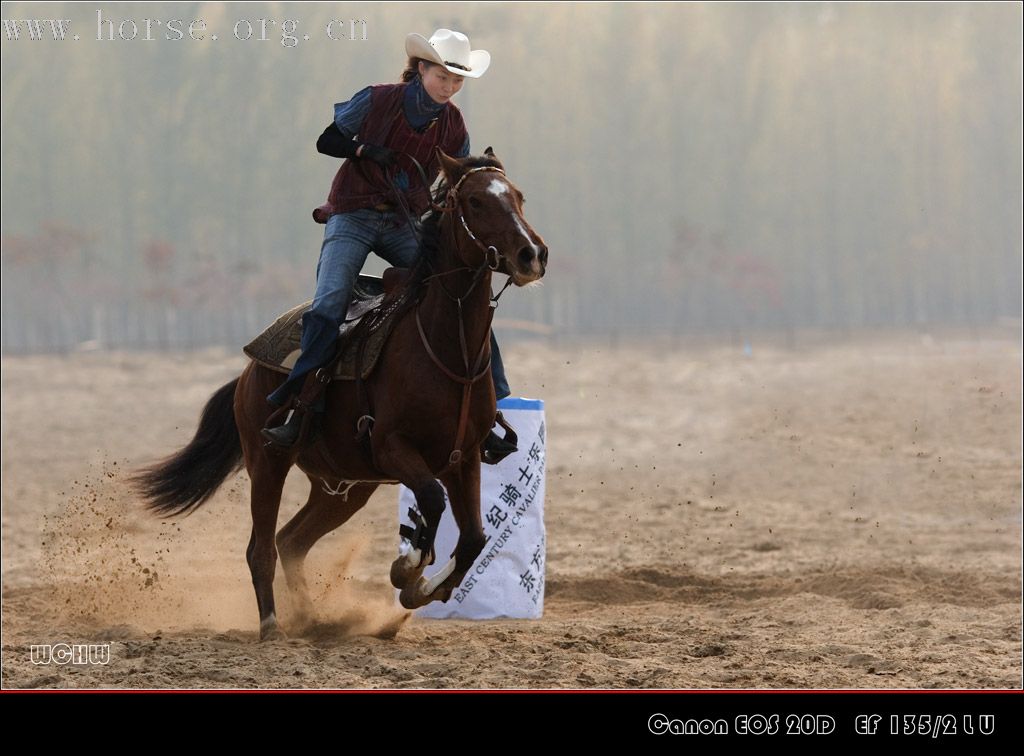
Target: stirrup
[495,448]
[510,434]
[302,428]
[286,435]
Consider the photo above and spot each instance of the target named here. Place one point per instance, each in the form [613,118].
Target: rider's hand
[382,156]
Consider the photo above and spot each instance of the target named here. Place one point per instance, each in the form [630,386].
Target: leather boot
[495,448]
[285,436]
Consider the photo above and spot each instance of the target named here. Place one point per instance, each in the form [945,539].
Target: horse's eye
[475,203]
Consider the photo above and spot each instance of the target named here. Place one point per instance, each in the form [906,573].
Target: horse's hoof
[412,597]
[407,568]
[423,591]
[271,631]
[400,573]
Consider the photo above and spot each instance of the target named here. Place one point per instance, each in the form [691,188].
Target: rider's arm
[349,116]
[338,138]
[332,142]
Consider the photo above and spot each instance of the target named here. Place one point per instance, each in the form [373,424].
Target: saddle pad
[279,346]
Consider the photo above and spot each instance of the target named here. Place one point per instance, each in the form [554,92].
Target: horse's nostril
[526,256]
[543,255]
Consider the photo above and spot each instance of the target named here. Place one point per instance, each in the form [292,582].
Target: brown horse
[432,398]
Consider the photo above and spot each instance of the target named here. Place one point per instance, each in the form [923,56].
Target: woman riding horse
[394,123]
[431,399]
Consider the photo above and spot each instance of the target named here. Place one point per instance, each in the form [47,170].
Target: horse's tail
[185,480]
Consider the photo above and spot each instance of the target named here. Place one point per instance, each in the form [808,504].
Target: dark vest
[362,183]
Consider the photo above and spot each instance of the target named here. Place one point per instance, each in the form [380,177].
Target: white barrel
[507,579]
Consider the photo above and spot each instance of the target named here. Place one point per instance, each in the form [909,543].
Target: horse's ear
[450,166]
[489,152]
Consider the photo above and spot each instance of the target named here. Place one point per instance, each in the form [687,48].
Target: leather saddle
[279,346]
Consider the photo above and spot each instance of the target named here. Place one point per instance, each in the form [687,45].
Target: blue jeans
[348,240]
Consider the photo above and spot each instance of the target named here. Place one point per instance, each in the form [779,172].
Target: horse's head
[487,218]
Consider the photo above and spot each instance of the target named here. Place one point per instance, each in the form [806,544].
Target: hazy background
[721,170]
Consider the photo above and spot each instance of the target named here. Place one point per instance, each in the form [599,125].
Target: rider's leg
[495,448]
[347,241]
[398,245]
[501,389]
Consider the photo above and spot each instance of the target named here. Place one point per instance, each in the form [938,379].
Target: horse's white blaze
[500,189]
[522,229]
[497,187]
[431,585]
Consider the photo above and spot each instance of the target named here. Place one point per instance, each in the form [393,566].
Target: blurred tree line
[697,168]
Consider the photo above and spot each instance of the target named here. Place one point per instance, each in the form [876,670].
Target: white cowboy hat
[451,50]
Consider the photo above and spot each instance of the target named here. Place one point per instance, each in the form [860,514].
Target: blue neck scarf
[419,109]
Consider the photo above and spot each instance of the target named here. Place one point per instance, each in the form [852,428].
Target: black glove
[382,156]
[334,143]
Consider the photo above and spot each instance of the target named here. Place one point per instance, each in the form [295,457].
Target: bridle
[491,262]
[452,204]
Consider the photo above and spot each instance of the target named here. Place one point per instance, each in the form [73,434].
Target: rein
[491,262]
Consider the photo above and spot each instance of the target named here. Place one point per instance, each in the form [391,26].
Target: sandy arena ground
[836,516]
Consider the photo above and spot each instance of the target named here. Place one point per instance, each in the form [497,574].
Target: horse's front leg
[463,485]
[398,458]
